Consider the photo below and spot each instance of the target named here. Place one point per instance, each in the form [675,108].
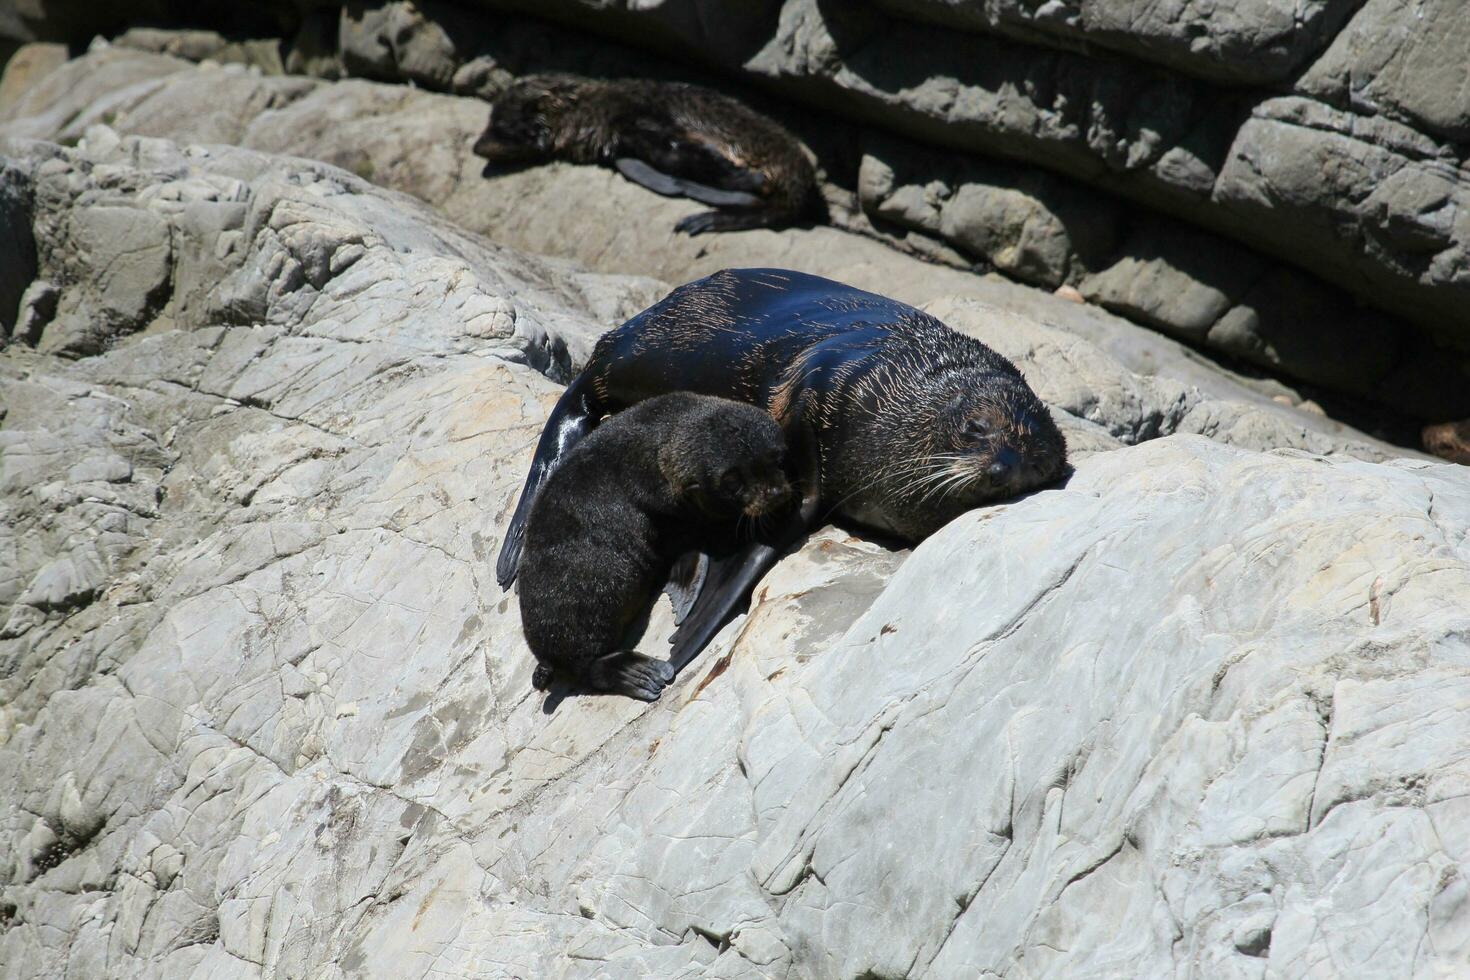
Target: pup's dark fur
[673,138]
[646,486]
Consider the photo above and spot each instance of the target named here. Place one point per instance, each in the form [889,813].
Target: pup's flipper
[630,674]
[729,580]
[575,414]
[661,183]
[726,591]
[686,578]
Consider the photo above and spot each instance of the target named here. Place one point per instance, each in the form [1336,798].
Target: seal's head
[995,439]
[524,119]
[728,461]
[959,439]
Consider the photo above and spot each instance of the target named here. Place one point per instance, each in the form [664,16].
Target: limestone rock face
[1254,41]
[1399,58]
[1280,182]
[419,142]
[263,711]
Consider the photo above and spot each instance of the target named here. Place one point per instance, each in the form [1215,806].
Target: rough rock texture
[1282,182]
[1202,711]
[1246,42]
[1042,229]
[1149,100]
[1397,58]
[1167,141]
[420,142]
[29,63]
[264,54]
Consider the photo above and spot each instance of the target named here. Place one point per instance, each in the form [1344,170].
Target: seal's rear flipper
[686,578]
[575,414]
[661,183]
[629,674]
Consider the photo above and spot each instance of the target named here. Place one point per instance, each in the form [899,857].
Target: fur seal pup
[893,420]
[666,477]
[673,138]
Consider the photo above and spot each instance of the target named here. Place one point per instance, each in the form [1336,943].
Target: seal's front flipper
[575,414]
[661,183]
[729,581]
[629,674]
[726,589]
[718,197]
[686,578]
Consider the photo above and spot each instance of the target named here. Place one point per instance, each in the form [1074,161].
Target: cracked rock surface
[1202,711]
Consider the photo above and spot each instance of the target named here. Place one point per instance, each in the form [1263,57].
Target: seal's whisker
[953,480]
[930,483]
[925,468]
[916,467]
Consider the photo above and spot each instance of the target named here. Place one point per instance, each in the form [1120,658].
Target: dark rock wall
[1282,184]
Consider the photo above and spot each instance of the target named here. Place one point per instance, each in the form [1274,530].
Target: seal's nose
[1002,465]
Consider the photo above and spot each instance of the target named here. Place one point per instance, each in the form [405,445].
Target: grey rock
[1024,222]
[1165,142]
[1175,107]
[1183,281]
[1090,118]
[114,265]
[401,40]
[29,64]
[196,45]
[1030,225]
[1253,42]
[1085,381]
[1197,711]
[95,84]
[190,45]
[420,143]
[1324,179]
[37,309]
[1401,58]
[1319,335]
[1176,279]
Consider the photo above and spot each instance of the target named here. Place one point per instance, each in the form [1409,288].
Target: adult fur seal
[673,138]
[666,477]
[893,420]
